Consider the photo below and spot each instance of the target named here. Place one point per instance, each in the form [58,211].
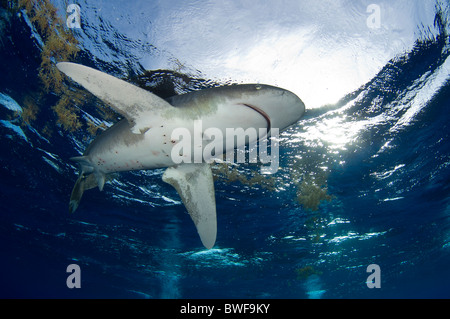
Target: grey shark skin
[143,139]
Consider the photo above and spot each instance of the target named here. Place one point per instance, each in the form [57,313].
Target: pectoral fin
[194,183]
[134,103]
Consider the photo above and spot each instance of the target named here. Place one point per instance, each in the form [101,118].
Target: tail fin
[82,184]
[85,182]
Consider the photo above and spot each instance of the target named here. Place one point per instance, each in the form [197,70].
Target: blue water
[383,150]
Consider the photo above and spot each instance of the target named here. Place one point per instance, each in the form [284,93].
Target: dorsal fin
[134,103]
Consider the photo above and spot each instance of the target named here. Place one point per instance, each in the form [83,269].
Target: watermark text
[198,145]
[74,19]
[374,19]
[74,279]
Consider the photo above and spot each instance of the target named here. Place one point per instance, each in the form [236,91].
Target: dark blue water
[382,153]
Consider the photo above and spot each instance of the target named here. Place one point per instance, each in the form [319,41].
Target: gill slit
[264,114]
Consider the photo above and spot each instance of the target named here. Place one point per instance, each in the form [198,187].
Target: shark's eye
[257,86]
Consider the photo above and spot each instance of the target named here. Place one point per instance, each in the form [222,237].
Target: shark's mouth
[264,114]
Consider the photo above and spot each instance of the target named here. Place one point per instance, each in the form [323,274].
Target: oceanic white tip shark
[143,139]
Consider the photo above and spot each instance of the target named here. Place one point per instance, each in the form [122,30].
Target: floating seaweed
[67,114]
[59,45]
[29,110]
[93,128]
[310,194]
[310,180]
[230,174]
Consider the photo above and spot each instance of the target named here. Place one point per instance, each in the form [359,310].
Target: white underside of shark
[143,139]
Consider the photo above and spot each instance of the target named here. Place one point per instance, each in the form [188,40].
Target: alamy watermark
[206,145]
[74,279]
[74,19]
[374,280]
[374,19]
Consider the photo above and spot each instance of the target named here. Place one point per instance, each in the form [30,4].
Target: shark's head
[281,107]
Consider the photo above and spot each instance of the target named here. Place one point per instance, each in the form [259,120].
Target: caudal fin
[82,184]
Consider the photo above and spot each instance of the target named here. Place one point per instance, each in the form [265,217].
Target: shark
[144,139]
